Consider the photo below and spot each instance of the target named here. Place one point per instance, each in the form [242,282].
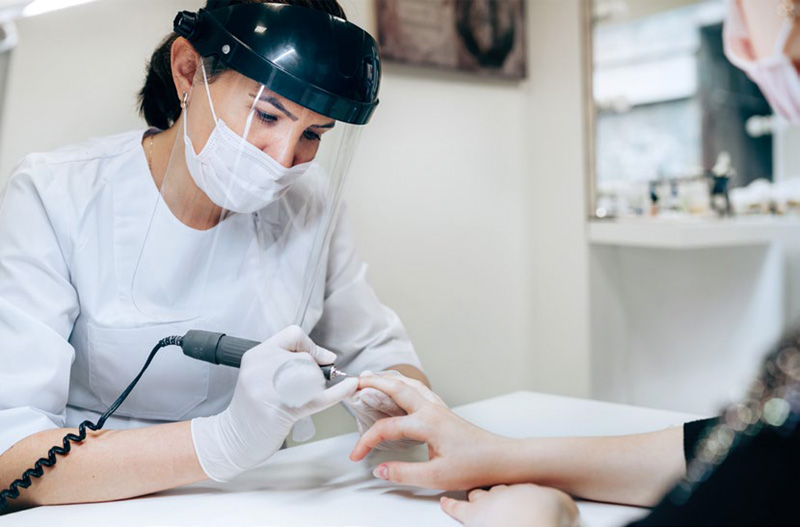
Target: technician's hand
[461,455]
[369,406]
[514,506]
[257,421]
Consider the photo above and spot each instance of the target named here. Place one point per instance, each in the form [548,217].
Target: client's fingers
[476,494]
[408,397]
[403,473]
[455,508]
[389,429]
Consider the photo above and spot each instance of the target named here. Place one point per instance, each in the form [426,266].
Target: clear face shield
[239,235]
[248,201]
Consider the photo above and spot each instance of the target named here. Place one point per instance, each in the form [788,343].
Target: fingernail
[380,472]
[365,372]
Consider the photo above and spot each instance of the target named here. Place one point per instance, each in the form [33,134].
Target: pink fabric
[735,37]
[776,75]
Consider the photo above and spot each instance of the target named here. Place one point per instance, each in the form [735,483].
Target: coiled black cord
[12,492]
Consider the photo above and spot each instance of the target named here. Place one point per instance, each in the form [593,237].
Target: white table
[316,484]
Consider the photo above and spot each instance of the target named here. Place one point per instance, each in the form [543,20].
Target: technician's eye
[311,136]
[266,117]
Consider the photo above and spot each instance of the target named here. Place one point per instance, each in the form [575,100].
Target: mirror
[678,130]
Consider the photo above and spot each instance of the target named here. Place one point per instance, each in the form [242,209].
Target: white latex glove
[370,405]
[258,419]
[303,430]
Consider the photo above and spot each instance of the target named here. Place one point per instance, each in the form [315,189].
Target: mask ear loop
[249,121]
[208,91]
[184,102]
[211,104]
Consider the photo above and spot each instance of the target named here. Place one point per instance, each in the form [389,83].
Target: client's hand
[514,506]
[461,455]
[369,406]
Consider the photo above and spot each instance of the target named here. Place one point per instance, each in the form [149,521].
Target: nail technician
[222,216]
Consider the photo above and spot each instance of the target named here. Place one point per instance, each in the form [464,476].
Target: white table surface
[316,484]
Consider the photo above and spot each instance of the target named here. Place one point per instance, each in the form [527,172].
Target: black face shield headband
[319,61]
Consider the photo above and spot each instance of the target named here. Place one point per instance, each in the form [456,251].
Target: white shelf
[691,233]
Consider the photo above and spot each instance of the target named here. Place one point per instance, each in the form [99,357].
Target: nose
[284,151]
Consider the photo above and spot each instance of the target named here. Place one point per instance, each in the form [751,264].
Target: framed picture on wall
[480,36]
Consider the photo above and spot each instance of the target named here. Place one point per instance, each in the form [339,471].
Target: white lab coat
[72,224]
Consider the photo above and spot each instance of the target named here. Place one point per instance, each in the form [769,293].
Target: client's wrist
[516,460]
[499,458]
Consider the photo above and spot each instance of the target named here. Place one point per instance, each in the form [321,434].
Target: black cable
[12,492]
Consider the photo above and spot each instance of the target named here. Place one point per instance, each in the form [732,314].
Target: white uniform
[72,224]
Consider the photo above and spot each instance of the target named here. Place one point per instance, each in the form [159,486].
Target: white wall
[685,330]
[467,194]
[76,72]
[556,198]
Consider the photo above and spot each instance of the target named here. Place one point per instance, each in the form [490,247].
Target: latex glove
[258,419]
[369,406]
[303,430]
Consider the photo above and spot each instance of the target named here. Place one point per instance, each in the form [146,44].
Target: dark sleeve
[757,484]
[693,433]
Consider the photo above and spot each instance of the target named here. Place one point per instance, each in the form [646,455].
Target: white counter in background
[316,484]
[683,309]
[691,232]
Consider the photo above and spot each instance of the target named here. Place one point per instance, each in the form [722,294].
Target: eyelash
[266,117]
[269,119]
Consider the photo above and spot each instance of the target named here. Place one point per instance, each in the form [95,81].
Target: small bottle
[721,174]
[653,198]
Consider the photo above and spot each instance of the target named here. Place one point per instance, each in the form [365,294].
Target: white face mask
[775,75]
[233,173]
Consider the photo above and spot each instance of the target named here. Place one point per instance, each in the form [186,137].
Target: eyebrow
[277,104]
[326,125]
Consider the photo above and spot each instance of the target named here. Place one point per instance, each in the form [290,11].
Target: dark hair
[158,103]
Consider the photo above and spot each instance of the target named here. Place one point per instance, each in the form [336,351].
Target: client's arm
[634,469]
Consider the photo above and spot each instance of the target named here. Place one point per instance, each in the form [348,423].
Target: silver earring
[185,97]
